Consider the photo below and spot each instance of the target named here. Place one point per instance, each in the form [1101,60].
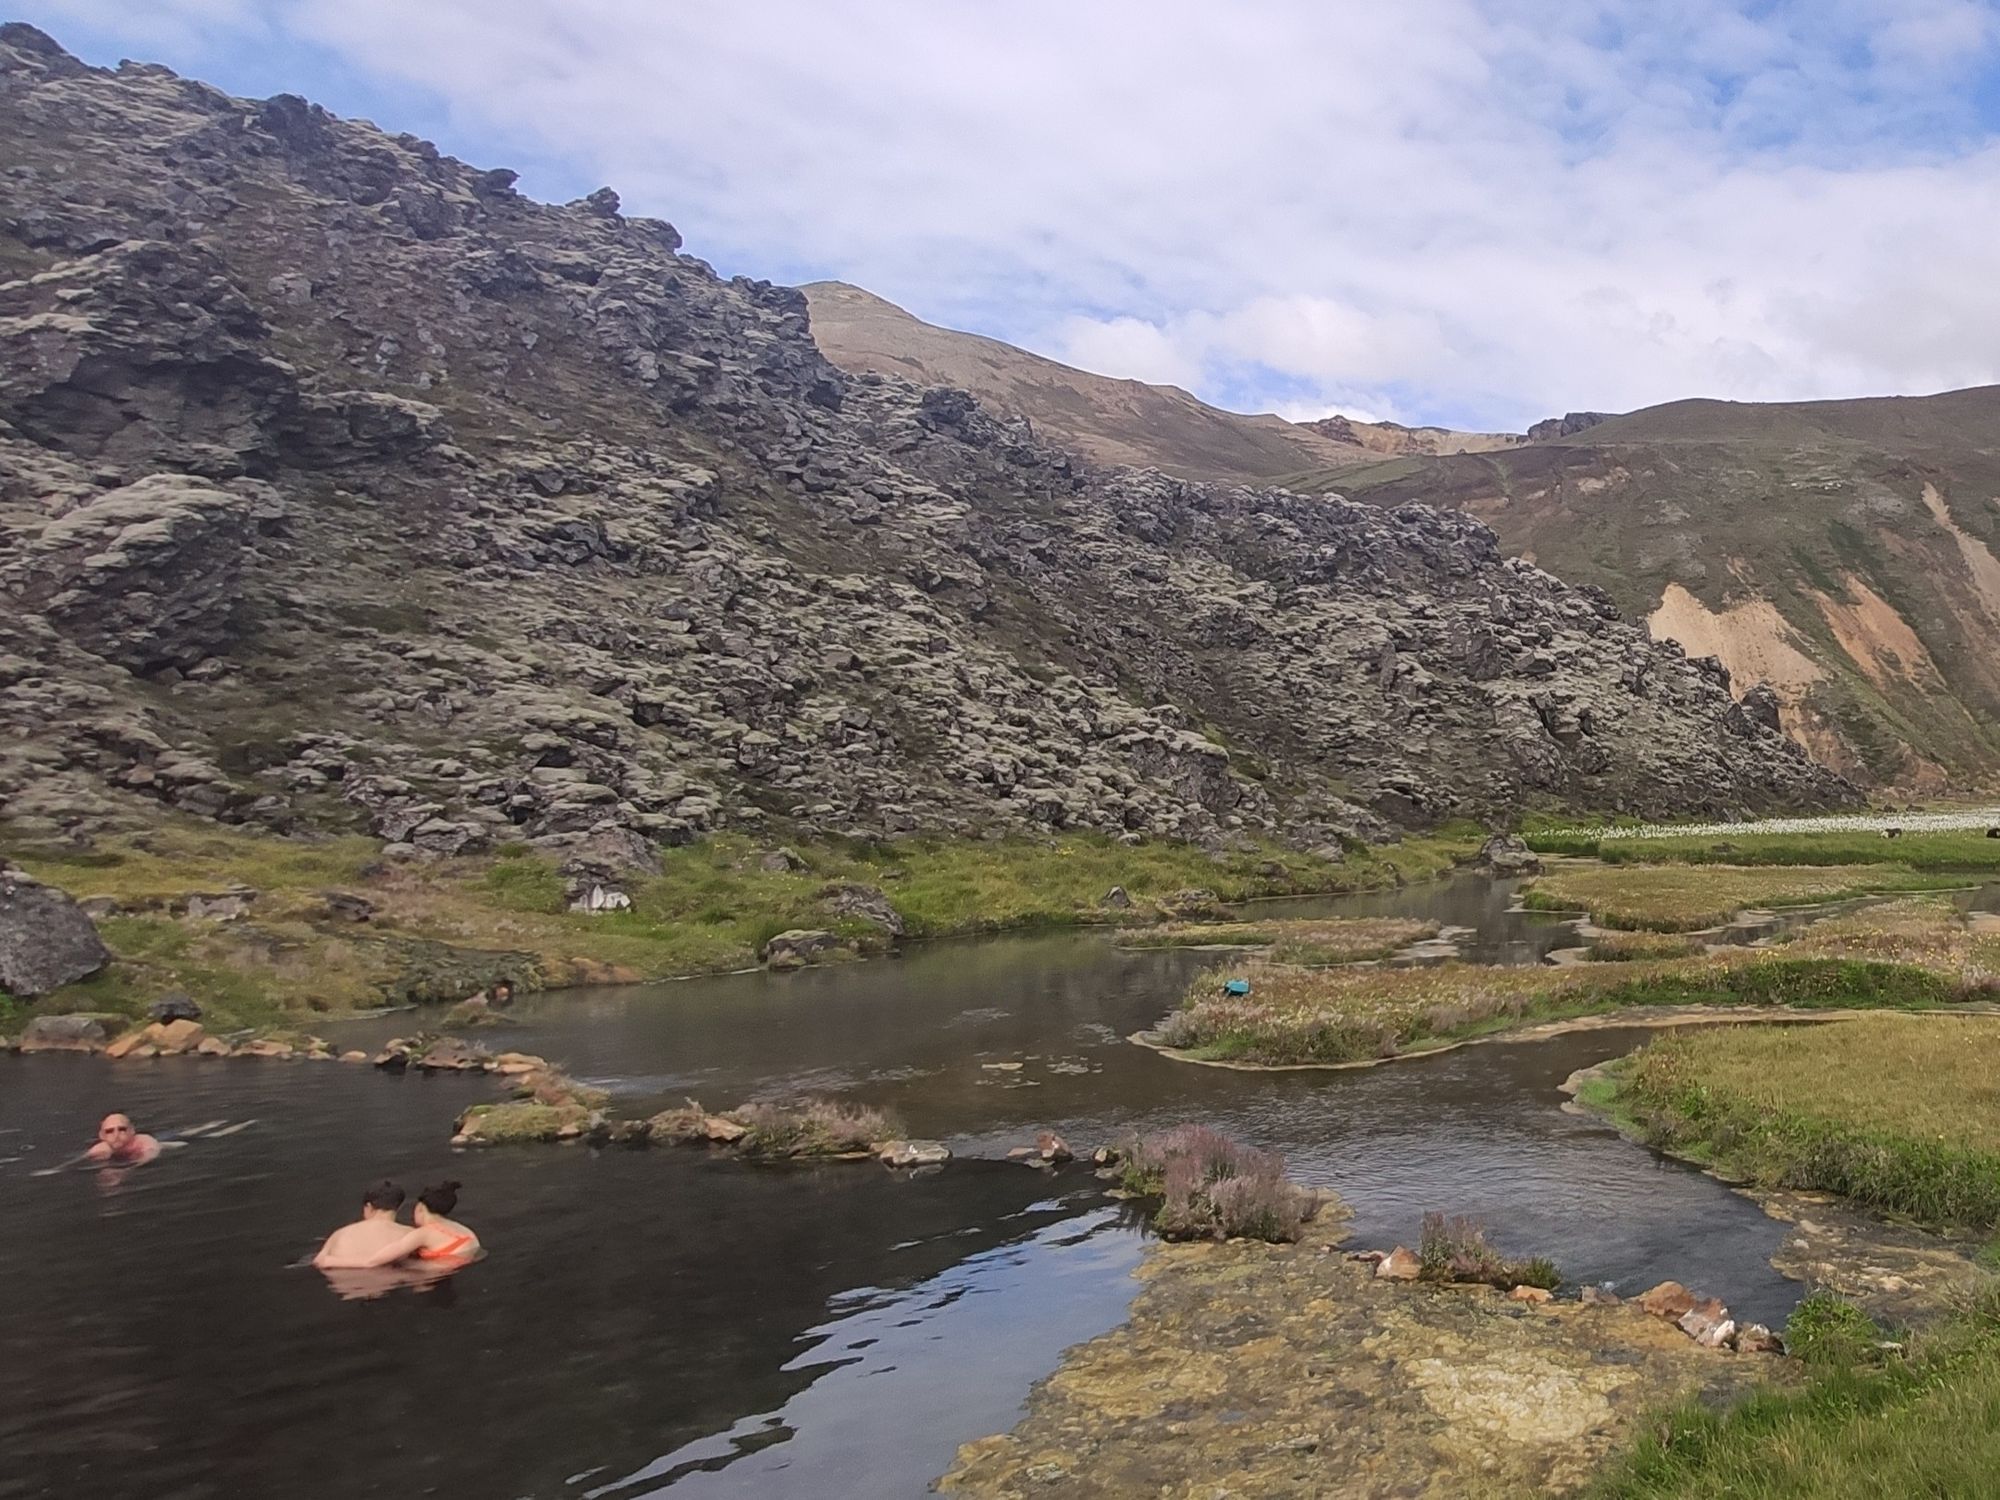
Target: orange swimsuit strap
[445,1252]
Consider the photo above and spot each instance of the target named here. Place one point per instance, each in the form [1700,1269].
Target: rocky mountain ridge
[343,486]
[1846,553]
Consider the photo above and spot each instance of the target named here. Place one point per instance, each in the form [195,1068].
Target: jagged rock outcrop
[1567,425]
[340,485]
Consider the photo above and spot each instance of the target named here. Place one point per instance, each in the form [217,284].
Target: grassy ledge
[441,929]
[1913,954]
[1893,1113]
[1682,898]
[1925,1421]
[1950,850]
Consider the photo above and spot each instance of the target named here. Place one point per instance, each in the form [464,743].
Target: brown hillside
[1109,421]
[1847,550]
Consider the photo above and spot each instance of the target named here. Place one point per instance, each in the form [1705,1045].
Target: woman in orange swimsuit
[442,1237]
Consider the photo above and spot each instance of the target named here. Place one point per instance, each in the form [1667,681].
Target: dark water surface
[654,1322]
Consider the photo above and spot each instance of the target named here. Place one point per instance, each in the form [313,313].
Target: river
[655,1322]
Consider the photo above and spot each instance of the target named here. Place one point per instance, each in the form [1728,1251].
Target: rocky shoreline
[1288,1370]
[1898,1274]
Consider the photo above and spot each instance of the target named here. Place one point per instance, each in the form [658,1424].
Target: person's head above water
[502,992]
[442,1199]
[383,1198]
[121,1143]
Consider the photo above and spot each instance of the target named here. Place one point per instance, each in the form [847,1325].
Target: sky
[1476,213]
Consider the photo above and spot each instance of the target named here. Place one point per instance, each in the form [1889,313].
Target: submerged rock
[46,941]
[913,1153]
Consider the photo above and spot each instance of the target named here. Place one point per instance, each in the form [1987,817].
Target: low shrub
[1826,1329]
[1210,1187]
[812,1127]
[1456,1249]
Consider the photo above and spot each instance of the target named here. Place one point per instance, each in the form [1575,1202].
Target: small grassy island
[1913,953]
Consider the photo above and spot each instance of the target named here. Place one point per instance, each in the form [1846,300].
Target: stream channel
[654,1322]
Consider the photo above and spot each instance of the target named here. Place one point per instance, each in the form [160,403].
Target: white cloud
[1473,211]
[1129,348]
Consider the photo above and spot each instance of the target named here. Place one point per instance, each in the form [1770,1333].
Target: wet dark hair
[441,1199]
[384,1195]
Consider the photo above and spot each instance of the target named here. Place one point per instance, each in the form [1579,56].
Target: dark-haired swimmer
[444,1239]
[375,1239]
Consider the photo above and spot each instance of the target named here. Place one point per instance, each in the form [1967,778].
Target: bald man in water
[119,1144]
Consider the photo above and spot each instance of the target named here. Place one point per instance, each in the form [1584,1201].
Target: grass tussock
[1679,898]
[1915,954]
[711,908]
[1632,947]
[1896,1113]
[1923,1420]
[811,1127]
[1328,940]
[1210,1187]
[1456,1249]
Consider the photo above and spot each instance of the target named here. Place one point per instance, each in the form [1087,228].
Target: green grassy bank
[1925,1422]
[1960,850]
[442,929]
[1892,1113]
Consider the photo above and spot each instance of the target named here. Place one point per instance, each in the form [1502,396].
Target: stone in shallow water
[913,1153]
